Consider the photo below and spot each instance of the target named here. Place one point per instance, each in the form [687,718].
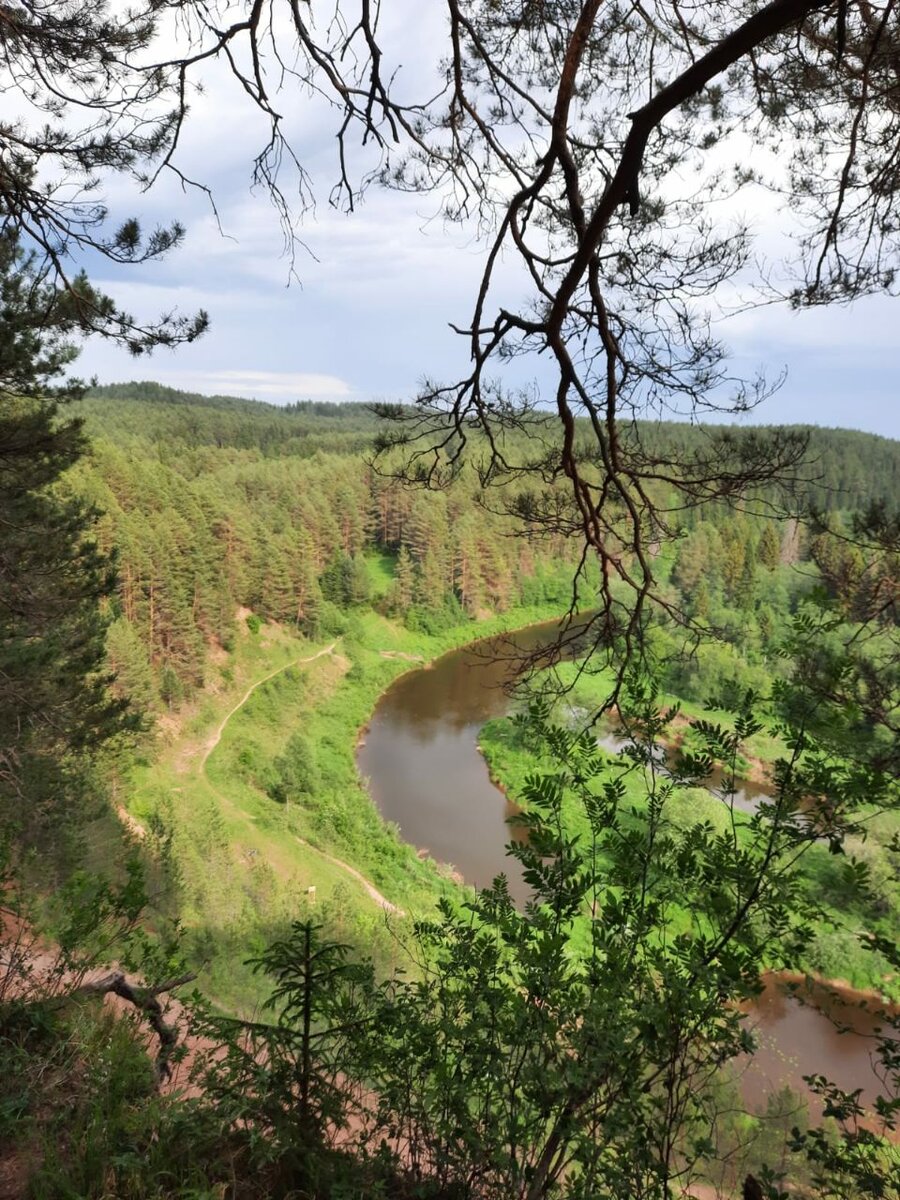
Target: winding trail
[369,887]
[217,735]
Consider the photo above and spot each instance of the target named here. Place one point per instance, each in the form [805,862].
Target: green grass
[380,564]
[238,868]
[836,951]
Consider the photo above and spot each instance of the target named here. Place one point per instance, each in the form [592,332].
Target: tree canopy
[608,150]
[55,709]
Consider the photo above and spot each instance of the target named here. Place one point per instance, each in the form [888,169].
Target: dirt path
[370,888]
[132,824]
[217,735]
[402,655]
[140,832]
[137,830]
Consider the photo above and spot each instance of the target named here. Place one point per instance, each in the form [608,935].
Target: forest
[490,789]
[271,580]
[215,505]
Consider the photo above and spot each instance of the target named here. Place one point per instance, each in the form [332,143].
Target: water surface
[421,761]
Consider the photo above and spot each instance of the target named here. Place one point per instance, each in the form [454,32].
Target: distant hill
[156,415]
[847,469]
[158,393]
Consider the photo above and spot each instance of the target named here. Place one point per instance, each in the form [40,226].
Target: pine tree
[308,597]
[55,702]
[403,589]
[701,601]
[769,550]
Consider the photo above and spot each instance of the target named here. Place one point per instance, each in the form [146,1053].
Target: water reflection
[746,797]
[832,1034]
[421,760]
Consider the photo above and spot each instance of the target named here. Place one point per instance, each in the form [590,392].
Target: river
[421,761]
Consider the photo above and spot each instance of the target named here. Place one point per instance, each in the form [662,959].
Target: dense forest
[214,505]
[242,534]
[228,968]
[223,504]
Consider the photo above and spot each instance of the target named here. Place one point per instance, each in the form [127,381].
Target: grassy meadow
[237,865]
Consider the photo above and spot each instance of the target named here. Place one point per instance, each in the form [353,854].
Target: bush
[295,773]
[437,620]
[332,622]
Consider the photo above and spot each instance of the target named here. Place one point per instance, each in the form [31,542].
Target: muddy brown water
[420,759]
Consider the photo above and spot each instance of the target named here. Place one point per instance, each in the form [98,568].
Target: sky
[368,314]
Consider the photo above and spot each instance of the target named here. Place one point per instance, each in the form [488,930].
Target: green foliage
[171,689]
[217,503]
[296,774]
[435,619]
[284,1084]
[542,1052]
[345,581]
[86,1116]
[56,709]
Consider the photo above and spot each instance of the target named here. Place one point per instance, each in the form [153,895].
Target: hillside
[272,583]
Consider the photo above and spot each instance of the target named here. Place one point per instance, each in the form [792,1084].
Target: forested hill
[846,468]
[149,393]
[223,504]
[216,503]
[157,416]
[854,468]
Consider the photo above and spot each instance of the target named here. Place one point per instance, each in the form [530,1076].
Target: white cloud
[867,328]
[276,385]
[371,316]
[144,299]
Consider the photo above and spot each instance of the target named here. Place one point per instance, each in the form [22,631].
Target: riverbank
[238,866]
[849,914]
[433,726]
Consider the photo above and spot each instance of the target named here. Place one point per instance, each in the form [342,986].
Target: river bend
[420,759]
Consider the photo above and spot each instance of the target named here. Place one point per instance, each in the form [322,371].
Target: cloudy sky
[370,314]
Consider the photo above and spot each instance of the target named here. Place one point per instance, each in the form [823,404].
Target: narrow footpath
[217,735]
[138,831]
